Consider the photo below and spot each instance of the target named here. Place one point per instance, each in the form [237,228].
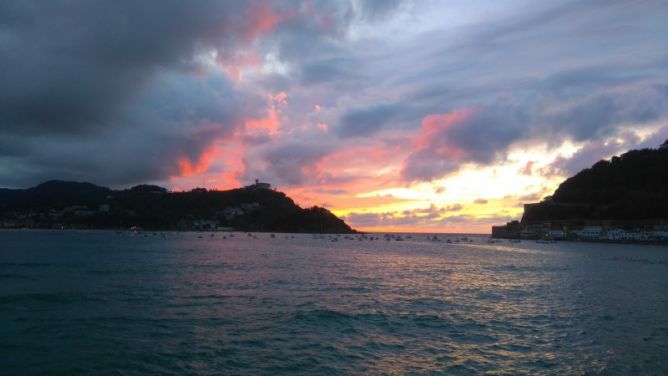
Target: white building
[660,234]
[232,212]
[556,234]
[589,232]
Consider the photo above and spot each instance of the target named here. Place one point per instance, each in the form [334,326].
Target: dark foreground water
[103,303]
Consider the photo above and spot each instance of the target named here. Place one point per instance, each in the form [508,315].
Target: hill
[630,187]
[61,204]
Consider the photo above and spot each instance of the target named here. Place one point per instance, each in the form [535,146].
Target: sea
[179,303]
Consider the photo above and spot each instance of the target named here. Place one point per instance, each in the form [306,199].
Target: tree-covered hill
[72,204]
[632,186]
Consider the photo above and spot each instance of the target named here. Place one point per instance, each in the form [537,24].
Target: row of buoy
[330,237]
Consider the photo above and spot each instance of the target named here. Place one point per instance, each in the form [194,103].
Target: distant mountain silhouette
[632,186]
[84,205]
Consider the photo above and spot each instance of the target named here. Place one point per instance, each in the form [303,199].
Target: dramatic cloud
[331,100]
[423,216]
[366,121]
[138,80]
[485,133]
[291,163]
[471,135]
[398,221]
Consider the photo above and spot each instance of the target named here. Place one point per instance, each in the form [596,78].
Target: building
[535,231]
[259,185]
[601,230]
[232,212]
[589,232]
[510,230]
[556,233]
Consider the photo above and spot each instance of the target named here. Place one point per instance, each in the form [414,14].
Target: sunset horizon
[333,187]
[396,116]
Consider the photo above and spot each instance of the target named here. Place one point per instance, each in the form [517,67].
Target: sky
[430,116]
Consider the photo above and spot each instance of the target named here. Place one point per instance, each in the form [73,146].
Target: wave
[46,298]
[25,265]
[13,276]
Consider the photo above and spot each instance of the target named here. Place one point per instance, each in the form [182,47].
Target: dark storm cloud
[328,70]
[566,82]
[118,91]
[69,66]
[288,162]
[367,121]
[86,91]
[598,116]
[114,91]
[172,118]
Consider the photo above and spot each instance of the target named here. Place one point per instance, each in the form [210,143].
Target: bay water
[107,303]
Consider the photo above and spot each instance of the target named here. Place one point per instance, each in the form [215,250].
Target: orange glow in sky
[429,172]
[431,116]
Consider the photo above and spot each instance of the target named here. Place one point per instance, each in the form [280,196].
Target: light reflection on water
[99,302]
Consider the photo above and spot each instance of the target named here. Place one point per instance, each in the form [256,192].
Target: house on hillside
[259,185]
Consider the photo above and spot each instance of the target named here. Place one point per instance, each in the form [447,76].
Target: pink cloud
[261,18]
[527,169]
[433,128]
[323,127]
[189,167]
[271,123]
[235,64]
[434,152]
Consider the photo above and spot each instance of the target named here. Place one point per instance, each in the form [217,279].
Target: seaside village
[612,231]
[61,218]
[584,230]
[229,213]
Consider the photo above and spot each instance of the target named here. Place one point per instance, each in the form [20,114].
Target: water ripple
[100,303]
